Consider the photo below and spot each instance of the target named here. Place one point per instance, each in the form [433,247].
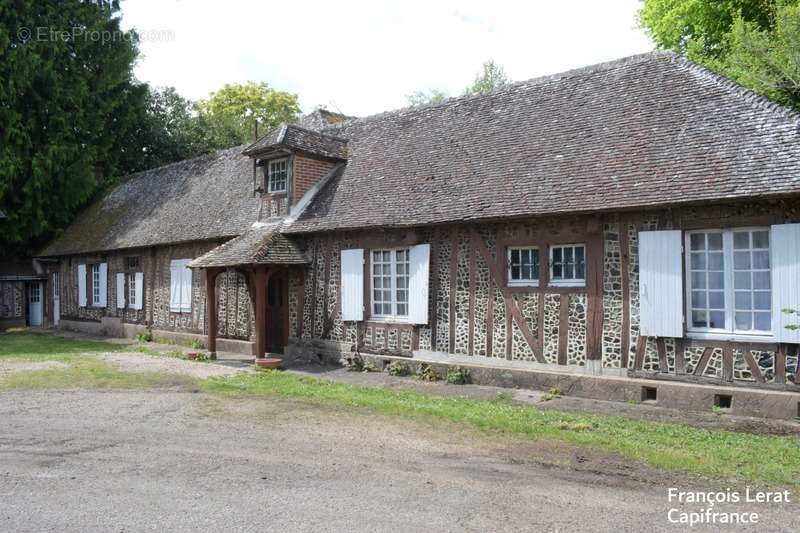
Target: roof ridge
[535,81]
[758,101]
[316,132]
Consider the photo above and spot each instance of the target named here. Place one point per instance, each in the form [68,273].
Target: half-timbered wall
[12,301]
[474,313]
[234,307]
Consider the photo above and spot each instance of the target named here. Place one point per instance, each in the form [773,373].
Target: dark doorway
[277,312]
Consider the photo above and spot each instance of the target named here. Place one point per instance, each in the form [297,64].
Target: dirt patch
[11,367]
[135,362]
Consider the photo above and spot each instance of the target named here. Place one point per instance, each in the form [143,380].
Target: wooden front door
[277,312]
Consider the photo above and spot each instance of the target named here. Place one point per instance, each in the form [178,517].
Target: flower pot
[192,355]
[268,362]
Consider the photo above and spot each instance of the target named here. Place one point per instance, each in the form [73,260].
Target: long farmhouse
[630,228]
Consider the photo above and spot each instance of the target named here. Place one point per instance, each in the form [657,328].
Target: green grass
[32,346]
[724,455]
[91,373]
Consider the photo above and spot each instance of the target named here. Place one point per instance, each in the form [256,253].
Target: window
[276,175]
[180,286]
[729,287]
[132,290]
[523,266]
[390,283]
[96,285]
[568,265]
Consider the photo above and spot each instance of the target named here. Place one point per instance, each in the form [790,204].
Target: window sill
[389,320]
[514,284]
[581,283]
[733,337]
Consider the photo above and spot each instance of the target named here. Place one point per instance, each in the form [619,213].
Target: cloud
[365,57]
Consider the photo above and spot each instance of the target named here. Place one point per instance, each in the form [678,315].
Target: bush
[398,368]
[197,344]
[145,336]
[457,375]
[369,366]
[355,364]
[426,372]
[552,394]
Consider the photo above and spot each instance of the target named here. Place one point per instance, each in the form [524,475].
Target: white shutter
[82,285]
[785,247]
[103,284]
[353,285]
[660,284]
[139,290]
[120,290]
[418,284]
[186,286]
[175,276]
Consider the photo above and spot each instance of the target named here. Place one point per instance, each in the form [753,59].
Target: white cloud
[365,57]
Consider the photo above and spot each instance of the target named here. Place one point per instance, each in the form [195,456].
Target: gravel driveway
[174,461]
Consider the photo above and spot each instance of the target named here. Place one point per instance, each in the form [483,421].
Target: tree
[754,42]
[431,96]
[767,61]
[228,116]
[68,102]
[490,78]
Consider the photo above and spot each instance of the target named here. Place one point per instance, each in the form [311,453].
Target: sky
[361,58]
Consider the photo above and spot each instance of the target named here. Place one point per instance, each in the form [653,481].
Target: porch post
[211,308]
[261,311]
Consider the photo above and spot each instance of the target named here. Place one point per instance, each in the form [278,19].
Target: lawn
[723,455]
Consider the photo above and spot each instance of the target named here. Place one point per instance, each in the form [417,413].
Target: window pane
[699,319]
[741,260]
[568,255]
[715,261]
[761,300]
[744,300]
[402,309]
[557,271]
[716,280]
[716,300]
[699,299]
[579,251]
[715,241]
[716,319]
[698,241]
[516,273]
[761,280]
[698,280]
[741,240]
[698,261]
[569,271]
[761,239]
[744,321]
[514,256]
[556,255]
[763,322]
[580,271]
[761,260]
[741,280]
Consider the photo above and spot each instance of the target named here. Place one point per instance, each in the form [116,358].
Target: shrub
[369,366]
[552,394]
[457,375]
[355,363]
[145,335]
[426,372]
[197,344]
[398,368]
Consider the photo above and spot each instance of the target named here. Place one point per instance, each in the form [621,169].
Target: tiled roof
[321,118]
[262,244]
[209,197]
[644,131]
[294,137]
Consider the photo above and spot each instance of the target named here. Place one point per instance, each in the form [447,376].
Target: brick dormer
[289,161]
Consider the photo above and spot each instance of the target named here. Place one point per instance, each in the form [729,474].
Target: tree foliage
[488,79]
[755,42]
[68,104]
[431,96]
[228,116]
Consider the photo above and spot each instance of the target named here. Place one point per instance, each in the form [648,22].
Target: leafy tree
[432,96]
[767,61]
[228,116]
[490,78]
[754,42]
[68,102]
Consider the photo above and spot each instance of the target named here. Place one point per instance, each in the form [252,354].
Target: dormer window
[276,175]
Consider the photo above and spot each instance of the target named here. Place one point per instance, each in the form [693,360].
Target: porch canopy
[257,253]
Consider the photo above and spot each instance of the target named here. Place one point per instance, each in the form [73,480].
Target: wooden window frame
[729,332]
[394,316]
[572,282]
[95,268]
[532,282]
[270,189]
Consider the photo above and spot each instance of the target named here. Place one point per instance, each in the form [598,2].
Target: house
[636,223]
[22,297]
